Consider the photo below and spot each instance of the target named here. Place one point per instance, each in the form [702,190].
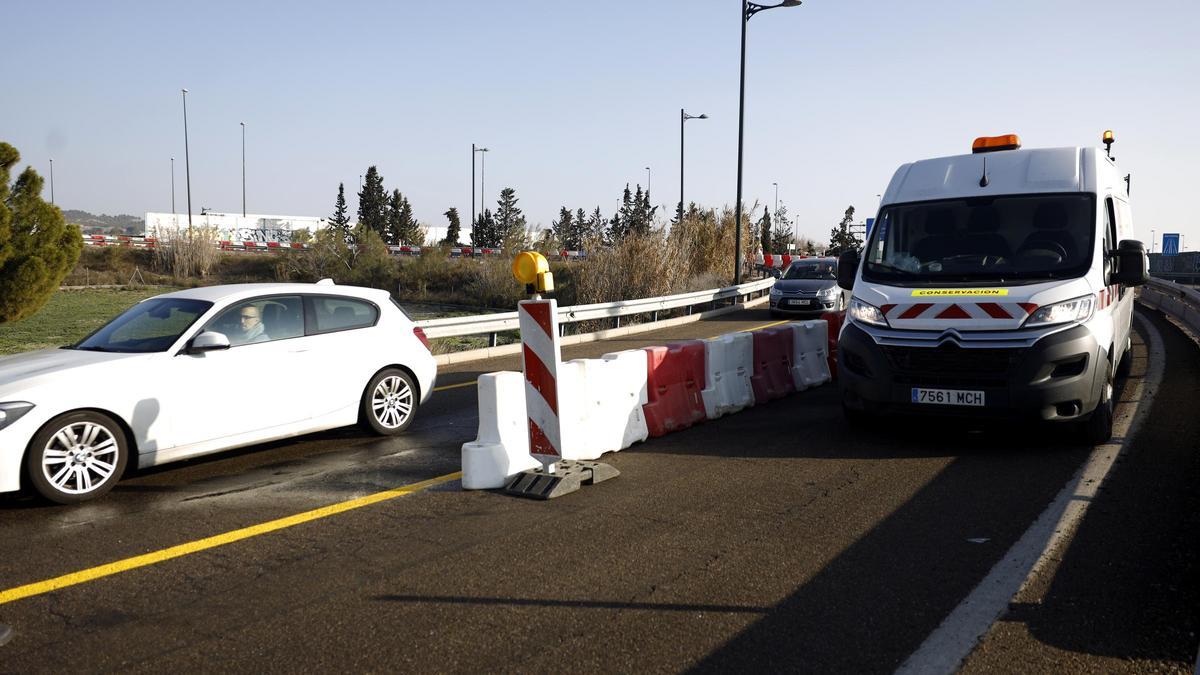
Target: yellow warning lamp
[994,143]
[1108,141]
[531,269]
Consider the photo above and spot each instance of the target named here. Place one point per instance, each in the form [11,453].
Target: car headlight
[13,411]
[861,311]
[776,292]
[829,292]
[1076,309]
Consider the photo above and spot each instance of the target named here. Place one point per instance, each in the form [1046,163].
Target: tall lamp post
[775,214]
[647,181]
[683,117]
[749,9]
[51,180]
[474,149]
[482,175]
[172,186]
[187,164]
[243,168]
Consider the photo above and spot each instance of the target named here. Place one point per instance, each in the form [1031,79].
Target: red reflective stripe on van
[1029,307]
[916,310]
[953,312]
[886,308]
[994,310]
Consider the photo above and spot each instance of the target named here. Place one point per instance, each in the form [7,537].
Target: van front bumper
[1056,378]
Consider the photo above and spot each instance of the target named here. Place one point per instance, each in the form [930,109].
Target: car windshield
[1010,238]
[150,326]
[815,269]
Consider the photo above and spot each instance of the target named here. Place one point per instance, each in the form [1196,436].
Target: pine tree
[373,204]
[564,230]
[452,231]
[37,246]
[841,239]
[510,222]
[763,227]
[340,222]
[401,225]
[781,232]
[483,232]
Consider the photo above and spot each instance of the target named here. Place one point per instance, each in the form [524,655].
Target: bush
[186,253]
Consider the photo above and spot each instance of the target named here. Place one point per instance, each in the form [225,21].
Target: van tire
[1098,428]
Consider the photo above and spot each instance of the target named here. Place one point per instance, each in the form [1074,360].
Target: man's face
[250,318]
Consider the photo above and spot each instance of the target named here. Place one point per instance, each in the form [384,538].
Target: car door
[256,386]
[343,332]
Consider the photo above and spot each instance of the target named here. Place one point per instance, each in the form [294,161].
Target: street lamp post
[243,168]
[749,9]
[776,213]
[172,186]
[647,182]
[51,180]
[474,149]
[483,174]
[187,164]
[683,117]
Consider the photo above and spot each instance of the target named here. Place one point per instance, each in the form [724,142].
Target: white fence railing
[1181,302]
[491,324]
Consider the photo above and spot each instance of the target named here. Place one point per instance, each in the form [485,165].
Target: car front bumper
[1057,378]
[786,304]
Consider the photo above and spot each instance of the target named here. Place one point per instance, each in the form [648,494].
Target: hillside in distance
[104,223]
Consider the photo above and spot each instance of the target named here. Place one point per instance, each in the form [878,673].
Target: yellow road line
[91,574]
[765,325]
[455,386]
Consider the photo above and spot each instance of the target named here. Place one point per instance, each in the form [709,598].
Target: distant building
[234,227]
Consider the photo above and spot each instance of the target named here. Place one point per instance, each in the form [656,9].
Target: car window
[334,313]
[265,319]
[814,269]
[150,326]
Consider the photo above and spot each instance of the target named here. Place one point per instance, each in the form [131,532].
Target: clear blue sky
[576,98]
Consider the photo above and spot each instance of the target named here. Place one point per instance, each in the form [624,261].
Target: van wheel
[857,418]
[1098,428]
[389,402]
[76,457]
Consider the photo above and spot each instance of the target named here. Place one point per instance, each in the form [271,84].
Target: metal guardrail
[491,324]
[1181,302]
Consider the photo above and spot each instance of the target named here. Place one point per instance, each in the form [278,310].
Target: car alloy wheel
[390,402]
[76,457]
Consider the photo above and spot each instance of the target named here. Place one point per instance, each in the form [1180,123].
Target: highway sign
[1170,244]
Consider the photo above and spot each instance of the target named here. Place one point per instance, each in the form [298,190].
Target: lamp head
[702,117]
[790,3]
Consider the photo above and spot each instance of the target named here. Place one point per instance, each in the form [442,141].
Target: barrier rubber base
[568,477]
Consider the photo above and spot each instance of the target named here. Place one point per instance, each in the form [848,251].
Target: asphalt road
[775,539]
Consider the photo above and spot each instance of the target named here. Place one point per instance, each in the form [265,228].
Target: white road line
[946,648]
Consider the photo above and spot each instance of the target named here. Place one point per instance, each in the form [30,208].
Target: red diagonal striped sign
[541,354]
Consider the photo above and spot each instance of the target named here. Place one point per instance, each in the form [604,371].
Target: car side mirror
[847,269]
[1132,266]
[208,341]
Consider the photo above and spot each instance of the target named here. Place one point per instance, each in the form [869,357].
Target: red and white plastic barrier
[541,355]
[606,405]
[119,240]
[778,261]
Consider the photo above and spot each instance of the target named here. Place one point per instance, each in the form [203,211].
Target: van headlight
[861,311]
[1077,309]
[12,411]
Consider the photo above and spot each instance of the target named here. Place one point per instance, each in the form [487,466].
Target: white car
[207,369]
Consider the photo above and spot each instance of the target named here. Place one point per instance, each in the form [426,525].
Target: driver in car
[252,329]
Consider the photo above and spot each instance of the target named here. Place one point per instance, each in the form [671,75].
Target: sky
[575,99]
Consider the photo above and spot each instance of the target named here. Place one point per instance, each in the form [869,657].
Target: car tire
[1098,428]
[76,457]
[389,402]
[857,418]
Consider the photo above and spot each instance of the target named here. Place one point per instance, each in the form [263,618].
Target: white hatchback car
[207,369]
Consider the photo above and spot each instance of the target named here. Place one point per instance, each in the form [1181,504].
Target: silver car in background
[808,286]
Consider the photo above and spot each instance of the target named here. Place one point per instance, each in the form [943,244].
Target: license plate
[947,397]
[799,302]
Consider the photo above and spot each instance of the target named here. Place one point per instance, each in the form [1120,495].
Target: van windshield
[1009,238]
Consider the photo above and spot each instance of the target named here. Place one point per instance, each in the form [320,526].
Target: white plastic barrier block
[728,365]
[810,352]
[600,404]
[501,448]
[627,396]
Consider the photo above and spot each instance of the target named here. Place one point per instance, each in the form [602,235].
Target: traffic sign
[1170,244]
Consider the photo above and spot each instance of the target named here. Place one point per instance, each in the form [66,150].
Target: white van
[998,283]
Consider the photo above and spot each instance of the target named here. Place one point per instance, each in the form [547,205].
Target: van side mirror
[208,341]
[1132,266]
[847,269]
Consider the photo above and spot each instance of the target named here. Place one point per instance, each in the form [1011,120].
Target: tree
[402,228]
[781,233]
[763,227]
[483,232]
[563,230]
[841,239]
[37,246]
[510,222]
[453,230]
[340,222]
[373,203]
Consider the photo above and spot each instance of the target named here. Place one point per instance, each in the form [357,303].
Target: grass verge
[69,316]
